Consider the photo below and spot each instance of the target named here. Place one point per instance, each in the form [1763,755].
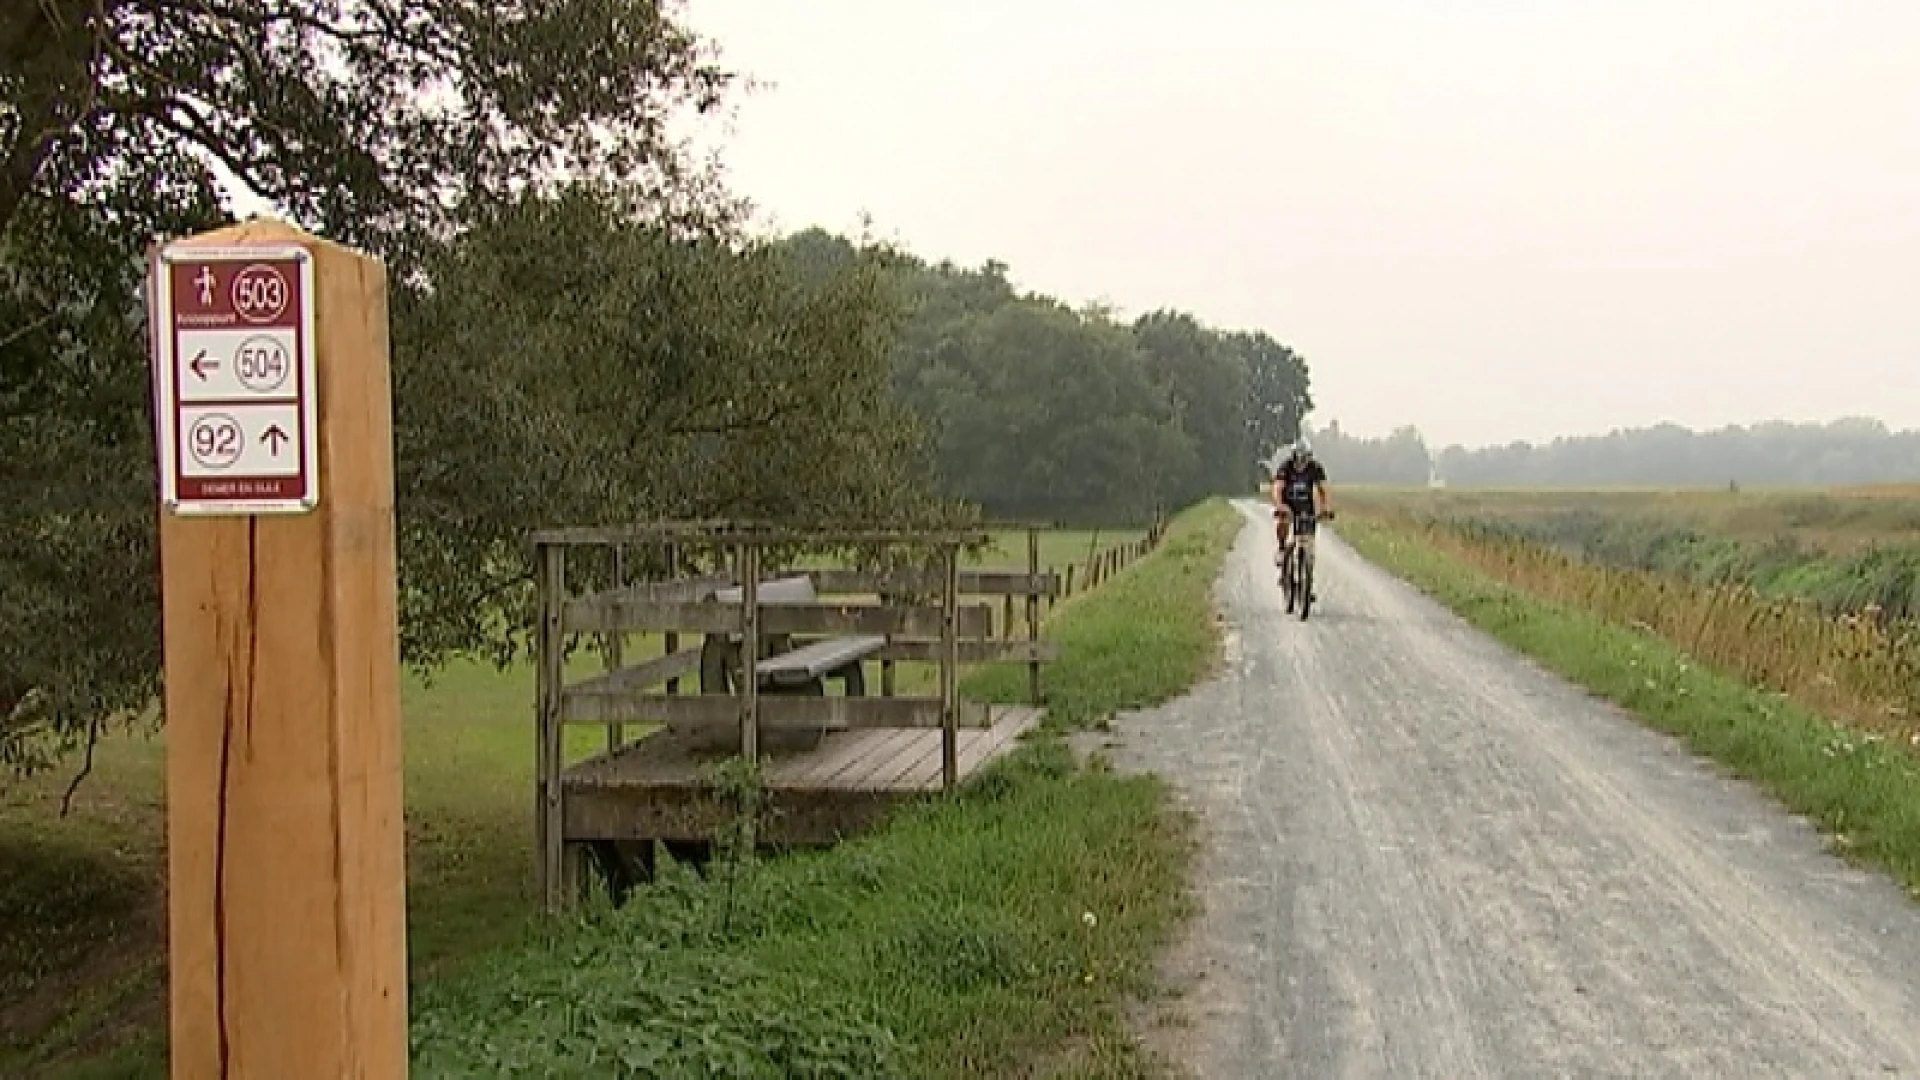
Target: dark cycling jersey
[1297,483]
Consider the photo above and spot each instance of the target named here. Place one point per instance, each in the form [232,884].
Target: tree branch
[86,767]
[23,331]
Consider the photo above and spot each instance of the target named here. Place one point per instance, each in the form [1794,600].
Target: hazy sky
[1492,220]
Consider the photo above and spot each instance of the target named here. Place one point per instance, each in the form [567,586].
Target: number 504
[261,363]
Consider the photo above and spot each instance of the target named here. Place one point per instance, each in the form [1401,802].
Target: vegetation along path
[1428,858]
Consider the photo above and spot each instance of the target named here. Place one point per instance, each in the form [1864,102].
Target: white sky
[1492,220]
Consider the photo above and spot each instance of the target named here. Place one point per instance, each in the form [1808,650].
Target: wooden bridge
[772,645]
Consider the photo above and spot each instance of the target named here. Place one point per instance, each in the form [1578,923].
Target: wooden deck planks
[881,772]
[990,744]
[872,760]
[657,788]
[837,754]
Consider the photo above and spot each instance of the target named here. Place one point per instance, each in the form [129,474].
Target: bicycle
[1296,561]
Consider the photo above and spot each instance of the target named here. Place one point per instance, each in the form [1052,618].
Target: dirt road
[1427,858]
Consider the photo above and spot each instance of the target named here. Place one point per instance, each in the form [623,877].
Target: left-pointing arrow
[202,363]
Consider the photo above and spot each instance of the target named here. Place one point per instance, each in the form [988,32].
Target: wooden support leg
[1033,613]
[573,873]
[548,762]
[950,673]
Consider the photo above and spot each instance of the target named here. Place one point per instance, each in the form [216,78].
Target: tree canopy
[583,330]
[1034,410]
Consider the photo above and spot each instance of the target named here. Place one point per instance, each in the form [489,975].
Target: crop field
[1843,549]
[82,963]
[1814,595]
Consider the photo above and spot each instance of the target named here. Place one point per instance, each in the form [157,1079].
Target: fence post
[950,670]
[615,644]
[549,677]
[1033,614]
[670,643]
[748,560]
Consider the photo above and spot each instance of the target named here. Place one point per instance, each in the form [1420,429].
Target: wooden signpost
[285,851]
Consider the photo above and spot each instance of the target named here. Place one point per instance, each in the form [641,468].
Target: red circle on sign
[216,441]
[261,364]
[260,293]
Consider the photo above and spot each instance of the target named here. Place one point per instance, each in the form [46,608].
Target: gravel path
[1428,858]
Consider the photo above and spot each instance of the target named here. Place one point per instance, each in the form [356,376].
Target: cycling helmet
[1302,449]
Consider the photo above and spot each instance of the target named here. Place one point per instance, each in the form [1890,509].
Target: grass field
[1833,523]
[81,967]
[1830,624]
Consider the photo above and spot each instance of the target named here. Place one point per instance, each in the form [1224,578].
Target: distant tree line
[1399,459]
[1033,410]
[1777,454]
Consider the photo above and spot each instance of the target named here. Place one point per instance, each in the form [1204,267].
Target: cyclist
[1299,485]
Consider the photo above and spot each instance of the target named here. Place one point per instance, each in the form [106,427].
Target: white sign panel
[234,379]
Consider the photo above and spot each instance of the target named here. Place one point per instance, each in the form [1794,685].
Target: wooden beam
[680,591]
[594,615]
[994,651]
[972,582]
[760,535]
[286,894]
[636,677]
[777,711]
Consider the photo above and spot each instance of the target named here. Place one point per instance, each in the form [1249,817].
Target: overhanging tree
[381,123]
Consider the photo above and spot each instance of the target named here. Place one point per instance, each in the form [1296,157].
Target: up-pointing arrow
[275,439]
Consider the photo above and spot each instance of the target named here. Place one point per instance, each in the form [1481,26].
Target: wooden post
[616,643]
[549,677]
[950,671]
[286,899]
[671,642]
[887,677]
[748,560]
[886,666]
[1033,613]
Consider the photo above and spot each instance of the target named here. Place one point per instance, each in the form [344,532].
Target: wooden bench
[784,666]
[807,665]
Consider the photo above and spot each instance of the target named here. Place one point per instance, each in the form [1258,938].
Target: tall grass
[1856,669]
